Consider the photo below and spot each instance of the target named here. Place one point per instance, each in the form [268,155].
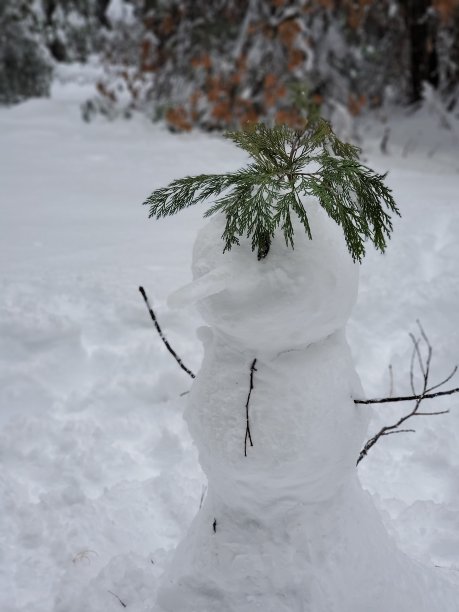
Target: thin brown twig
[406,398]
[431,413]
[163,337]
[413,354]
[391,433]
[417,352]
[423,334]
[120,600]
[443,382]
[248,435]
[424,367]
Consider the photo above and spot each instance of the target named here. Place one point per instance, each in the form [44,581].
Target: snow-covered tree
[224,64]
[221,65]
[25,67]
[75,28]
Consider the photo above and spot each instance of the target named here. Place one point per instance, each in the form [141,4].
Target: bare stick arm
[406,398]
[248,435]
[423,363]
[163,337]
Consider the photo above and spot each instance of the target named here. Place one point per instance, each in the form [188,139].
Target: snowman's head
[290,299]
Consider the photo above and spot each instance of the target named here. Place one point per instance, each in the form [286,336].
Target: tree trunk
[422,29]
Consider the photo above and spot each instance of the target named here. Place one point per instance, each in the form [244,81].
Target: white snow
[119,10]
[99,477]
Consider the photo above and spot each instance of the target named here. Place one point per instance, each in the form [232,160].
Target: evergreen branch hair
[286,164]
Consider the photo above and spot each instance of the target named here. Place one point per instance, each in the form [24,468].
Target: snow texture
[100,479]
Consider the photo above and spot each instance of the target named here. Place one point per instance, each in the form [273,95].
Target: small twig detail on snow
[84,555]
[424,364]
[248,435]
[163,337]
[120,600]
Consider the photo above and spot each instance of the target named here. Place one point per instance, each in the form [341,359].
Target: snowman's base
[332,556]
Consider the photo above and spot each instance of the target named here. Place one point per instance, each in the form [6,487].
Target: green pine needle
[285,165]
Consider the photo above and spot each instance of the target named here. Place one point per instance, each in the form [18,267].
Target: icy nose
[208,284]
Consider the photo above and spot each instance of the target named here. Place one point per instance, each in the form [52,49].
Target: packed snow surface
[100,479]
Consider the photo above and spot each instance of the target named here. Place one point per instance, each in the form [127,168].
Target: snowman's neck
[223,342]
[338,335]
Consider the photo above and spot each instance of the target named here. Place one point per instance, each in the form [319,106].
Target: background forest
[220,63]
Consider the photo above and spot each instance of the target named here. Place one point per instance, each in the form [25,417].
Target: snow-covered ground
[99,479]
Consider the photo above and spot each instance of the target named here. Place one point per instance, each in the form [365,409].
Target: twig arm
[248,435]
[162,336]
[424,368]
[406,398]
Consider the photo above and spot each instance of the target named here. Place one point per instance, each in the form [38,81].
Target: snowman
[286,525]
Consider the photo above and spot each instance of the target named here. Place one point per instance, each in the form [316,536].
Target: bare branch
[431,413]
[248,435]
[418,353]
[391,433]
[406,398]
[163,337]
[443,382]
[429,353]
[243,30]
[423,334]
[424,366]
[413,355]
[121,602]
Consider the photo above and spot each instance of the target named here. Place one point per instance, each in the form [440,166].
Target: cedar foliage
[286,164]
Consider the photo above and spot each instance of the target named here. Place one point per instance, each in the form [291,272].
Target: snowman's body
[285,526]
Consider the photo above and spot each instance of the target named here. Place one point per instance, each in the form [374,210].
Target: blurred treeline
[220,63]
